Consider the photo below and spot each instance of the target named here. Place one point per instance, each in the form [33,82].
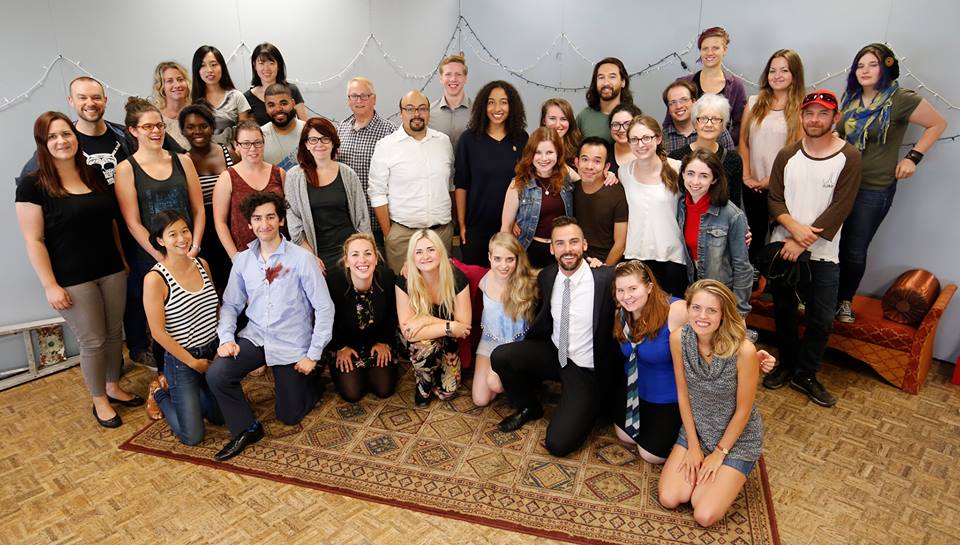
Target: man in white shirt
[450,113]
[411,174]
[281,136]
[570,340]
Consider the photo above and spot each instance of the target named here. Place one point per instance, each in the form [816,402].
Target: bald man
[411,180]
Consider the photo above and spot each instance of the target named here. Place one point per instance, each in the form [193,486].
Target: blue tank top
[656,382]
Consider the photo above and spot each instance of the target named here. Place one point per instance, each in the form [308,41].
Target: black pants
[804,355]
[539,254]
[296,393]
[523,365]
[671,276]
[758,218]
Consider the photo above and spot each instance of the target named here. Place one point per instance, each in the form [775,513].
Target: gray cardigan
[300,216]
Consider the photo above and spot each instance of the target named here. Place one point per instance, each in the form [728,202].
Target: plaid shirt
[356,149]
[673,140]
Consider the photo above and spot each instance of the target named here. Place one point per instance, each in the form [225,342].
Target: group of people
[606,250]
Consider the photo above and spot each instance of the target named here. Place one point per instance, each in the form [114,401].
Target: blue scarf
[858,118]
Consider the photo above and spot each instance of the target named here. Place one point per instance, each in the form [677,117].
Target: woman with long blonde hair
[716,369]
[509,301]
[433,309]
[770,121]
[171,93]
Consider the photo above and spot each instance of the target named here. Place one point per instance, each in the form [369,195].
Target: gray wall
[120,42]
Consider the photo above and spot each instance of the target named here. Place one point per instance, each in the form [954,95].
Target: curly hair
[516,122]
[593,96]
[258,198]
[159,96]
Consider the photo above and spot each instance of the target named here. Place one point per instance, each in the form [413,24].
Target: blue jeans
[188,400]
[820,297]
[869,209]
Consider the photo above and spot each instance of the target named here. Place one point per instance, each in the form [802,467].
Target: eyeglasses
[420,110]
[619,125]
[710,120]
[355,97]
[678,102]
[150,126]
[325,140]
[247,145]
[636,140]
[826,97]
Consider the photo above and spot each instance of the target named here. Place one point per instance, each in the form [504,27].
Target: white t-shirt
[652,230]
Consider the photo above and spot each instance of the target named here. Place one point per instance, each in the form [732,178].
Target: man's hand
[804,234]
[228,350]
[463,234]
[305,365]
[791,250]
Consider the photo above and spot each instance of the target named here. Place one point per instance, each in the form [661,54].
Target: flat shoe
[135,401]
[114,422]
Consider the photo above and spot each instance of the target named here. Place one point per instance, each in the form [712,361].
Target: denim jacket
[721,250]
[528,214]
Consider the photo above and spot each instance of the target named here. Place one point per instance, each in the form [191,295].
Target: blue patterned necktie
[564,334]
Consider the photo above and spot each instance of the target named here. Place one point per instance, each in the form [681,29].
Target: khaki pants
[396,241]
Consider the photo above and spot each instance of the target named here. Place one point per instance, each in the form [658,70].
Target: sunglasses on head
[826,97]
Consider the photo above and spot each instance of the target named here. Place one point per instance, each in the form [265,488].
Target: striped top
[207,181]
[191,316]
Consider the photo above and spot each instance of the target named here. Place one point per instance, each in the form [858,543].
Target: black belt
[432,227]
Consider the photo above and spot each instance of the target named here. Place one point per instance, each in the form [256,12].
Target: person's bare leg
[673,488]
[712,500]
[482,393]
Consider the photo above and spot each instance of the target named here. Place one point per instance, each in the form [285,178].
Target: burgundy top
[239,228]
[551,207]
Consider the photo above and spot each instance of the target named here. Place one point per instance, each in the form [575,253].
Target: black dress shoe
[778,378]
[135,401]
[108,423]
[238,443]
[516,420]
[420,401]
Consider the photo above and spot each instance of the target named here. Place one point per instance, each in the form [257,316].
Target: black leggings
[671,276]
[352,386]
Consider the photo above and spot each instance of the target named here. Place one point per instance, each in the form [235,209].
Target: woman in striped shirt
[181,305]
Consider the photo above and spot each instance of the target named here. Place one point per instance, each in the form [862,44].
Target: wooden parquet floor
[880,468]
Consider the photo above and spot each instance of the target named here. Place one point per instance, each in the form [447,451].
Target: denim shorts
[740,465]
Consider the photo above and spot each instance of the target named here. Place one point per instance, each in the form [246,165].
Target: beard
[282,119]
[816,132]
[418,124]
[574,266]
[608,93]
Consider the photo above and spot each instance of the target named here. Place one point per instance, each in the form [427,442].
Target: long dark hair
[46,172]
[889,68]
[199,87]
[516,118]
[309,165]
[719,193]
[593,96]
[268,51]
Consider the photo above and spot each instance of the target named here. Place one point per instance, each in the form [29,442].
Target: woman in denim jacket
[714,230]
[540,191]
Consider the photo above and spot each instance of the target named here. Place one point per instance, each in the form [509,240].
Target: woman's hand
[767,361]
[753,183]
[690,465]
[381,354]
[58,298]
[905,169]
[162,380]
[194,251]
[459,331]
[710,467]
[323,268]
[200,365]
[412,328]
[610,178]
[516,230]
[345,358]
[594,263]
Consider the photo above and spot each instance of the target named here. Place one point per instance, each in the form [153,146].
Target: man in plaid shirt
[678,129]
[359,133]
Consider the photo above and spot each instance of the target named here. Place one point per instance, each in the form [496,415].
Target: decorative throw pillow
[910,297]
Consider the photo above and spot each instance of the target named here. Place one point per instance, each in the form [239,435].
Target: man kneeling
[570,340]
[281,286]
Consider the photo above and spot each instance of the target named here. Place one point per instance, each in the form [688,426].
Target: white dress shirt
[414,177]
[580,336]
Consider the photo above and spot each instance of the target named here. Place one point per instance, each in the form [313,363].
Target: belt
[432,227]
[205,351]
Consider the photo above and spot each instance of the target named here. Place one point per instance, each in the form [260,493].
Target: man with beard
[359,133]
[813,186]
[450,113]
[678,130]
[281,136]
[411,180]
[104,145]
[609,86]
[570,340]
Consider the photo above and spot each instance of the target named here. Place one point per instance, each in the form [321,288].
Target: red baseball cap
[823,97]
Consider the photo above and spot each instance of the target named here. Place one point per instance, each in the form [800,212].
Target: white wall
[120,43]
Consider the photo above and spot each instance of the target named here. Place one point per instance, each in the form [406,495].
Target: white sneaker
[845,313]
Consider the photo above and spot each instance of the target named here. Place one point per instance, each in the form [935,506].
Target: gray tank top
[712,388]
[155,196]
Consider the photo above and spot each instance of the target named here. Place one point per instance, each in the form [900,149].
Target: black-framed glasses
[325,140]
[150,126]
[357,97]
[826,97]
[645,139]
[619,125]
[419,110]
[710,120]
[247,145]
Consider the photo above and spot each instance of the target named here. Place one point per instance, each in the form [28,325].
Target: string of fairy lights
[463,32]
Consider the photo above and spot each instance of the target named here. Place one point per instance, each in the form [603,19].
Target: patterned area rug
[450,460]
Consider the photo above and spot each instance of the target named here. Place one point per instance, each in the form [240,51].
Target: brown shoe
[153,409]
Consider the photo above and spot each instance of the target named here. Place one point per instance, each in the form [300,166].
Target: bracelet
[725,451]
[914,156]
[195,247]
[447,329]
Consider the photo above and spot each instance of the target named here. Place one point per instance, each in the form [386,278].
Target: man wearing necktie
[570,340]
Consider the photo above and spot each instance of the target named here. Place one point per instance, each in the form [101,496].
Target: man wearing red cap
[813,186]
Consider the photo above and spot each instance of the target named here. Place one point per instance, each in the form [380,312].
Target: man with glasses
[601,210]
[678,129]
[411,180]
[450,113]
[609,86]
[813,186]
[281,136]
[359,133]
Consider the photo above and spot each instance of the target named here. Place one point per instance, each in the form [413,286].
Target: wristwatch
[725,451]
[447,329]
